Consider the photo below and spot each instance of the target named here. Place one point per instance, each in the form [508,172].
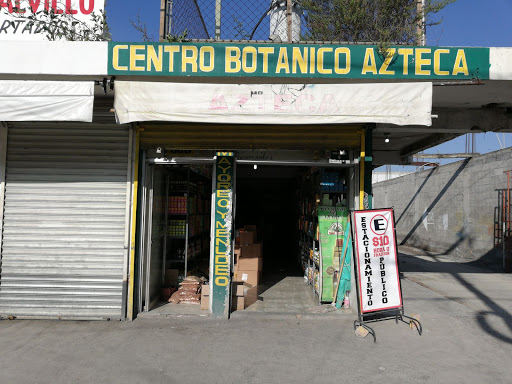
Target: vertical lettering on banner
[222,239]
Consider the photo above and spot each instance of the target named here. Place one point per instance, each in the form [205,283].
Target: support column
[3,159]
[368,166]
[221,253]
[133,224]
[362,156]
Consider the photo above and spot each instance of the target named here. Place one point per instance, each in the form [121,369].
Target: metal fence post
[217,18]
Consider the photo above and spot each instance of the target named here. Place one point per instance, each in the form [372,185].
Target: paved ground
[289,294]
[465,311]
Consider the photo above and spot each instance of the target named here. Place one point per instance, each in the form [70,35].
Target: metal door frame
[3,160]
[145,233]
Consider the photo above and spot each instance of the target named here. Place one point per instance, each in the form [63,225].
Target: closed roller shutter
[233,137]
[63,248]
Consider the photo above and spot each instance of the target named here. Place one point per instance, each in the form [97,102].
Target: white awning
[46,100]
[392,103]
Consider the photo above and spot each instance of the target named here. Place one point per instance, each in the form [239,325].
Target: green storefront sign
[297,61]
[222,236]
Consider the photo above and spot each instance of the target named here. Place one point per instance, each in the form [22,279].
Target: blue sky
[465,22]
[471,23]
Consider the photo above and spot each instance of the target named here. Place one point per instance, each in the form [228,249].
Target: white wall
[54,58]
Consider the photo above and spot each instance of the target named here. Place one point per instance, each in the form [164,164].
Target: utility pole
[289,19]
[420,28]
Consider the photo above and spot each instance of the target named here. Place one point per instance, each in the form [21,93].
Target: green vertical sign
[222,239]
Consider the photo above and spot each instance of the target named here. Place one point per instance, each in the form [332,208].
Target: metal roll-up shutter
[63,247]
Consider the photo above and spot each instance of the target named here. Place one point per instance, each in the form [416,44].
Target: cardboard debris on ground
[361,332]
[412,324]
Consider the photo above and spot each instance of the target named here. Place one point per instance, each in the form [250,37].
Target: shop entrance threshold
[287,295]
[169,309]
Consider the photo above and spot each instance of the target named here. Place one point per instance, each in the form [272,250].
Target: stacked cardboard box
[243,295]
[205,296]
[247,237]
[238,296]
[248,256]
[248,267]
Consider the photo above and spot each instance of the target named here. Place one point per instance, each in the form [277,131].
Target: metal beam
[444,155]
[387,157]
[410,130]
[459,121]
[429,142]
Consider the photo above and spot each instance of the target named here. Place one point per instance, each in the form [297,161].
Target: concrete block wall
[449,209]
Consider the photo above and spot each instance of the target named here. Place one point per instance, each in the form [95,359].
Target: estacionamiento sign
[27,19]
[376,261]
[297,61]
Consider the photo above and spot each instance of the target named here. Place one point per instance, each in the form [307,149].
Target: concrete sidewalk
[464,310]
[487,294]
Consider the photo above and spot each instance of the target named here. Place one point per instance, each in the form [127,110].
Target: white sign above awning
[46,100]
[391,103]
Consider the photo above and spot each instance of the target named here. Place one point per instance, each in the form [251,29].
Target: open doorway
[278,257]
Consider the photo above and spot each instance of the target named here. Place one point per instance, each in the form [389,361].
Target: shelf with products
[333,219]
[333,182]
[322,216]
[308,198]
[187,218]
[188,204]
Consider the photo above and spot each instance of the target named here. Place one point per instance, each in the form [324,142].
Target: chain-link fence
[400,22]
[276,20]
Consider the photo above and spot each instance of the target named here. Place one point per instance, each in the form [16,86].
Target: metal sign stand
[396,313]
